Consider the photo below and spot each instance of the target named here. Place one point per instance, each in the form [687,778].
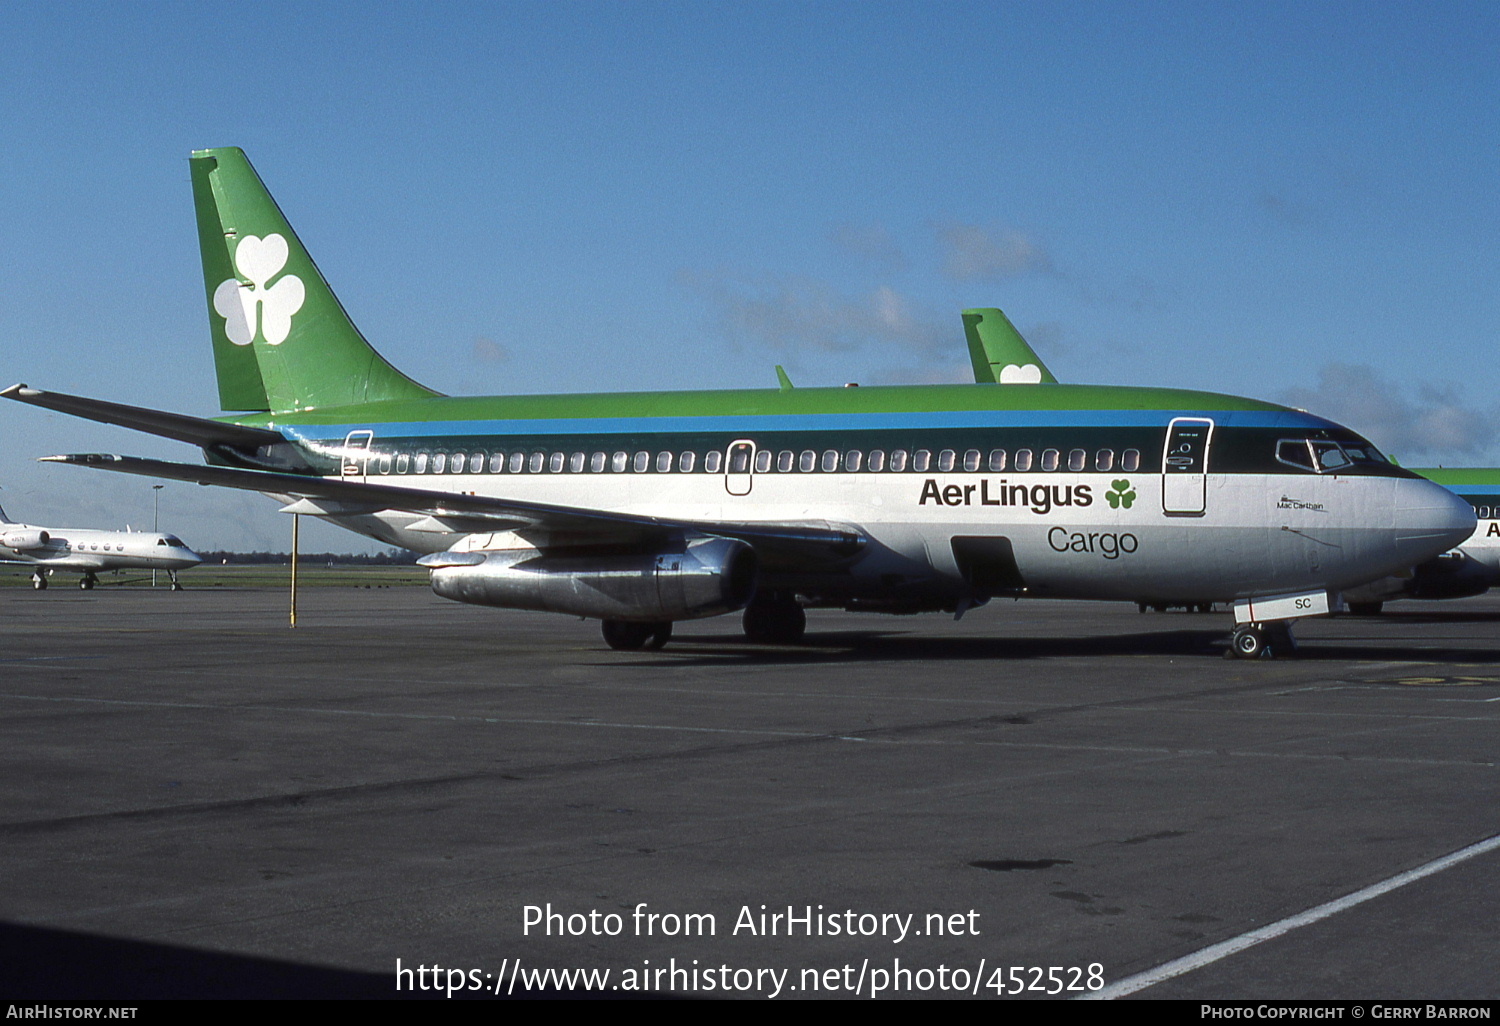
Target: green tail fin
[282,340]
[998,352]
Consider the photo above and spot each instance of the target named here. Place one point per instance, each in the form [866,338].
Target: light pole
[156,522]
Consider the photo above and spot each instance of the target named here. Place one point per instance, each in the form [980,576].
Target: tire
[86,583]
[1248,642]
[39,583]
[628,635]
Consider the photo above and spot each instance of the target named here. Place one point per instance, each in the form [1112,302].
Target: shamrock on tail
[1121,495]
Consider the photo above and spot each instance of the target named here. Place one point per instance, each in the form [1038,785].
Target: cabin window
[877,460]
[497,462]
[456,463]
[575,463]
[641,463]
[1077,460]
[597,462]
[535,462]
[618,462]
[1023,460]
[439,462]
[1050,458]
[762,461]
[921,460]
[1104,459]
[555,463]
[997,459]
[687,461]
[785,461]
[852,460]
[1130,460]
[712,461]
[946,459]
[421,463]
[830,460]
[385,464]
[971,460]
[476,463]
[517,462]
[808,461]
[403,463]
[898,461]
[663,463]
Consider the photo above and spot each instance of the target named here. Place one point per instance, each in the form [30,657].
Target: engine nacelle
[699,576]
[23,540]
[1451,575]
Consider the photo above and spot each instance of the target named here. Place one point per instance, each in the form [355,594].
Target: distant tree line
[390,557]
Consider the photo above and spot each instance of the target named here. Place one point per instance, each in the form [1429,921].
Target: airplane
[642,509]
[1000,355]
[87,552]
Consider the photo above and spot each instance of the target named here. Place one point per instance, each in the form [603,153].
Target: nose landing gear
[1261,641]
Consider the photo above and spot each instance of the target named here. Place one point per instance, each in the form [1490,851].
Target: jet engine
[691,577]
[23,540]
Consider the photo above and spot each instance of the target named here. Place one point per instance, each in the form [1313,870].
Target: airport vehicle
[642,509]
[1000,355]
[89,552]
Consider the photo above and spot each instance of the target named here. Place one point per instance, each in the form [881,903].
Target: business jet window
[997,459]
[876,461]
[1130,460]
[785,461]
[686,462]
[1104,460]
[712,461]
[1023,460]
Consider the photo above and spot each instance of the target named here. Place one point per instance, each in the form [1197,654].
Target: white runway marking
[1224,949]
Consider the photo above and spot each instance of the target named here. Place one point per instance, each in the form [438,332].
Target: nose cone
[1430,520]
[185,557]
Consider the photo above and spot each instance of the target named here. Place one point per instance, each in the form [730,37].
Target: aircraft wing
[791,544]
[197,430]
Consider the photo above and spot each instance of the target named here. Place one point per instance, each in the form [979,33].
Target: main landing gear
[775,619]
[87,582]
[1261,641]
[631,635]
[39,580]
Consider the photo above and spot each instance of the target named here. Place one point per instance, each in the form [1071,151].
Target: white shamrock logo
[239,304]
[1014,374]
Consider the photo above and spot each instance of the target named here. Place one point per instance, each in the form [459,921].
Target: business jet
[642,509]
[1000,355]
[88,552]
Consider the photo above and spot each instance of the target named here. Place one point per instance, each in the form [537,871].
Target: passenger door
[1184,467]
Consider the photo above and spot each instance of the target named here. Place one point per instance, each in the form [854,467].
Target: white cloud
[1422,424]
[975,253]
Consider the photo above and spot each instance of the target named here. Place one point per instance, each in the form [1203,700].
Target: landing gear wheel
[631,635]
[775,623]
[1248,642]
[1366,608]
[39,582]
[87,582]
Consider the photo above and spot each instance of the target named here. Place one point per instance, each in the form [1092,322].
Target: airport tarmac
[198,801]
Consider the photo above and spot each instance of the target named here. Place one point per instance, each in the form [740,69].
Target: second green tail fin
[282,340]
[998,352]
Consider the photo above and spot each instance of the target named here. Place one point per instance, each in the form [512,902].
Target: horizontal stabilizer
[197,430]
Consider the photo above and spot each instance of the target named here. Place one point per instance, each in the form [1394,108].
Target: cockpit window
[1322,456]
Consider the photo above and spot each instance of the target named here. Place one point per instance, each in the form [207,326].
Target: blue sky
[1295,202]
